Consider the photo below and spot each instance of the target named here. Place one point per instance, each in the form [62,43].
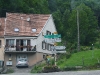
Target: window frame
[34,30]
[43,45]
[16,29]
[0,43]
[48,32]
[9,42]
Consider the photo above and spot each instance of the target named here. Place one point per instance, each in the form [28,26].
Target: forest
[65,17]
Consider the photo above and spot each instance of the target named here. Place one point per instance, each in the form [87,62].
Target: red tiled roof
[17,20]
[2,25]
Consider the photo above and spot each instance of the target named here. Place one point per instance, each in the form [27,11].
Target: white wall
[50,27]
[33,42]
[2,49]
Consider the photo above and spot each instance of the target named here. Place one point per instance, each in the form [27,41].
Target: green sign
[53,36]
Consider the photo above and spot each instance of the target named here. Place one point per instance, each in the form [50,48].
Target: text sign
[60,47]
[60,51]
[50,40]
[52,36]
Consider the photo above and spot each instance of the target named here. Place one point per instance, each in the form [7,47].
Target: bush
[68,55]
[84,48]
[47,69]
[69,68]
[10,70]
[52,62]
[36,69]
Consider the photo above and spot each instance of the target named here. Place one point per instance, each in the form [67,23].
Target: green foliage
[68,55]
[52,62]
[38,68]
[88,25]
[50,69]
[97,44]
[84,48]
[24,6]
[64,14]
[83,58]
[69,68]
[10,70]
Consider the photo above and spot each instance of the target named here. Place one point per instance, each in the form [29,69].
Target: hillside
[84,58]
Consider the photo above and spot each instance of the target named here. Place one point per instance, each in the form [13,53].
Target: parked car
[22,63]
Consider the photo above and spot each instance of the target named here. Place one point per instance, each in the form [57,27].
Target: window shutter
[0,44]
[43,45]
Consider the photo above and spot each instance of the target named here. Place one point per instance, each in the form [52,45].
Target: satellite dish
[28,19]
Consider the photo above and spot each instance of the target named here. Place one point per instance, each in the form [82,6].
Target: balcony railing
[20,48]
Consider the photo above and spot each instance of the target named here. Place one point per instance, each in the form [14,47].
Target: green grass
[89,58]
[82,58]
[37,68]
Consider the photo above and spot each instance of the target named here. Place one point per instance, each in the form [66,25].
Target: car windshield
[22,60]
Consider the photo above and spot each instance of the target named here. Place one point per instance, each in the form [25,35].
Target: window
[28,19]
[52,48]
[49,47]
[16,30]
[43,45]
[48,33]
[28,42]
[0,43]
[44,56]
[24,42]
[10,42]
[34,30]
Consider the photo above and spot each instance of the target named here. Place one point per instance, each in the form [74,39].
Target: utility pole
[78,35]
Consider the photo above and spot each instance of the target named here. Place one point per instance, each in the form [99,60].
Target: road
[93,72]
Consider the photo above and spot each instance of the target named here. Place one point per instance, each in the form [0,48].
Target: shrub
[69,68]
[36,69]
[10,70]
[52,62]
[47,69]
[68,55]
[84,48]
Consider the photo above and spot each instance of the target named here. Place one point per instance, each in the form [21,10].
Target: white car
[22,63]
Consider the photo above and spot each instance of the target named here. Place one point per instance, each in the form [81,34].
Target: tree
[24,6]
[88,25]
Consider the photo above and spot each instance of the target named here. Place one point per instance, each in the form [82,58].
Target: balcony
[20,49]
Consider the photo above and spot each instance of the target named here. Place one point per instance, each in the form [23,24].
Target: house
[24,37]
[2,43]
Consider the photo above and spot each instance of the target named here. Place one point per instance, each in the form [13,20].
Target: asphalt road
[93,72]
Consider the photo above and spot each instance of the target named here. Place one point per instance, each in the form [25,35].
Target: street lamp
[92,46]
[92,51]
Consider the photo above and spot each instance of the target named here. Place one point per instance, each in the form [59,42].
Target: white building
[24,37]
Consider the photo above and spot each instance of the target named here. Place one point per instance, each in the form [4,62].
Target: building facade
[2,43]
[24,37]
